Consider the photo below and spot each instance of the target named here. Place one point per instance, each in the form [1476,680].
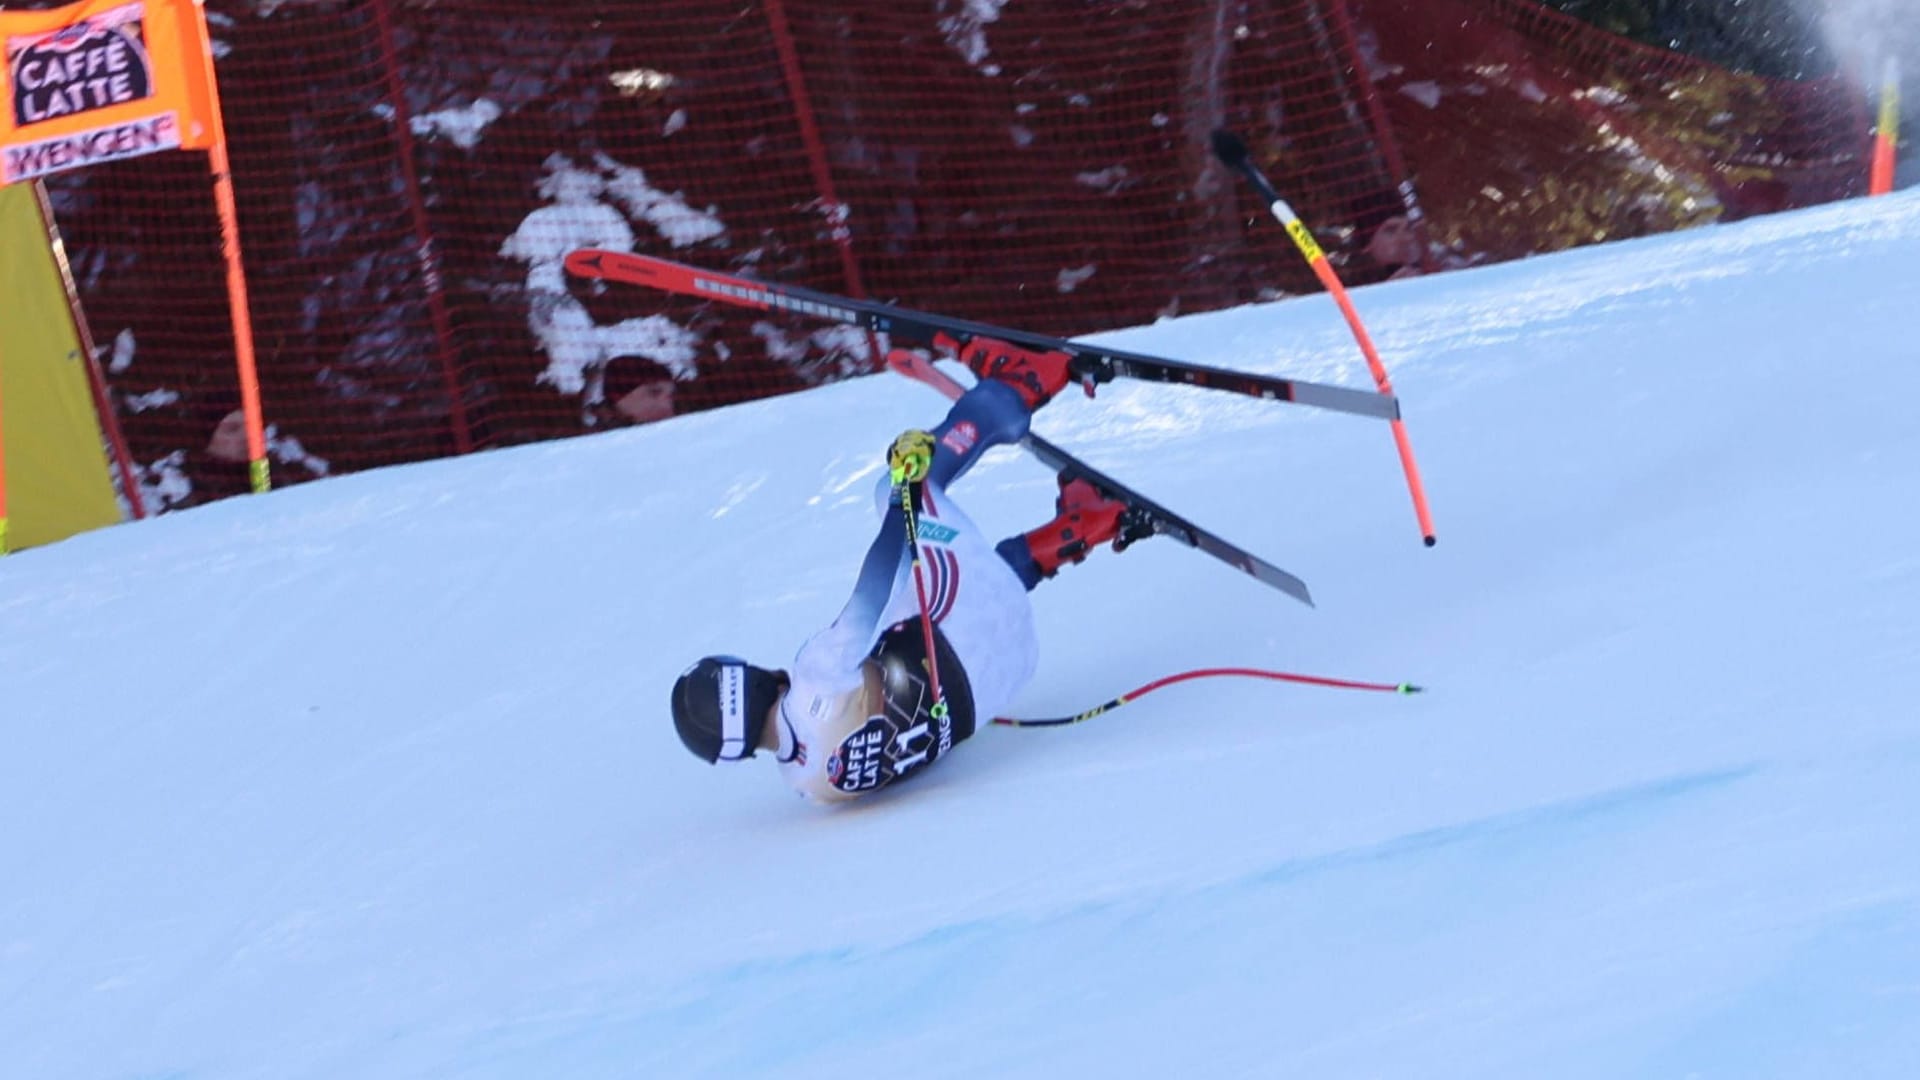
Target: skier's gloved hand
[910,456]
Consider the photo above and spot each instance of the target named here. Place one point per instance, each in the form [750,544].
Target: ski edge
[924,327]
[1165,522]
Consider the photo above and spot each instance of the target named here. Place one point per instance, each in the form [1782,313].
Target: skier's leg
[1013,383]
[1085,519]
[988,415]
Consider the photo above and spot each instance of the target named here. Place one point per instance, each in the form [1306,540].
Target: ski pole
[1209,673]
[907,473]
[1233,153]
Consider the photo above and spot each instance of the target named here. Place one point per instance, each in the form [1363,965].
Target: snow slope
[373,777]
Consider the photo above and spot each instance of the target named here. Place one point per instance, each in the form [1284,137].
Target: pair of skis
[1092,364]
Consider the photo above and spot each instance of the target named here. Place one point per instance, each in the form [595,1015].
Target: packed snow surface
[373,777]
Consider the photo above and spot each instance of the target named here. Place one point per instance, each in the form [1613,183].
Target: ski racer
[856,711]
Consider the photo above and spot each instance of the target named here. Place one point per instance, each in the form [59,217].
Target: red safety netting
[1529,131]
[410,175]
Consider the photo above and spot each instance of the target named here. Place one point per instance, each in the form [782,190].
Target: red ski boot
[1085,520]
[1036,375]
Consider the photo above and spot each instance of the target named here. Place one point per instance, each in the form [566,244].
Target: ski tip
[1409,688]
[1229,149]
[1431,540]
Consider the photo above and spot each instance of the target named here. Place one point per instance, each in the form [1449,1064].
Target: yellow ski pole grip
[910,457]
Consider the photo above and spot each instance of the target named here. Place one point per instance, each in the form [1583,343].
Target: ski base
[1092,364]
[1164,521]
[1096,363]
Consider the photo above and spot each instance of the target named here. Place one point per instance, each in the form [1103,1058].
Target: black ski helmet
[720,707]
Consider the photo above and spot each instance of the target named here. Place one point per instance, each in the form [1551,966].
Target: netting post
[96,384]
[422,233]
[1382,129]
[817,157]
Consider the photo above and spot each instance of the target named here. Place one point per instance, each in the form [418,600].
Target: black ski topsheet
[1168,523]
[1165,522]
[901,323]
[928,329]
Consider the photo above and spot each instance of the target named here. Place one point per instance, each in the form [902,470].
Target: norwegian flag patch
[961,438]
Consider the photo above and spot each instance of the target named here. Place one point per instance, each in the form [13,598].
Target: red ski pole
[1211,673]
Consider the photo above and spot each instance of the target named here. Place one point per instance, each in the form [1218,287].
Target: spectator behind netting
[227,445]
[1397,248]
[1395,245]
[638,391]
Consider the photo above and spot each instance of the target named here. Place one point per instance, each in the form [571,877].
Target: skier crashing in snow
[857,711]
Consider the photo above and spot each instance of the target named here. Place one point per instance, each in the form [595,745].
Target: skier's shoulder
[817,719]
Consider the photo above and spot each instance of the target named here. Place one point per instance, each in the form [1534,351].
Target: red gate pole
[1382,130]
[422,235]
[837,211]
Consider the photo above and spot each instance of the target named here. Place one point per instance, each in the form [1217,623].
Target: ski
[1164,522]
[1092,364]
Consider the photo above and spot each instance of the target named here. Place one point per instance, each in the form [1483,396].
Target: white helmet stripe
[733,712]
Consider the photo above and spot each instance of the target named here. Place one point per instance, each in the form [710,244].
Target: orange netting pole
[1887,131]
[239,312]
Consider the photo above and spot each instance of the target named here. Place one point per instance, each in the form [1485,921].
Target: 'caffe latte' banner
[102,80]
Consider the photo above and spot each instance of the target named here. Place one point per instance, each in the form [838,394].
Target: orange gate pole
[240,314]
[1887,131]
[1233,153]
